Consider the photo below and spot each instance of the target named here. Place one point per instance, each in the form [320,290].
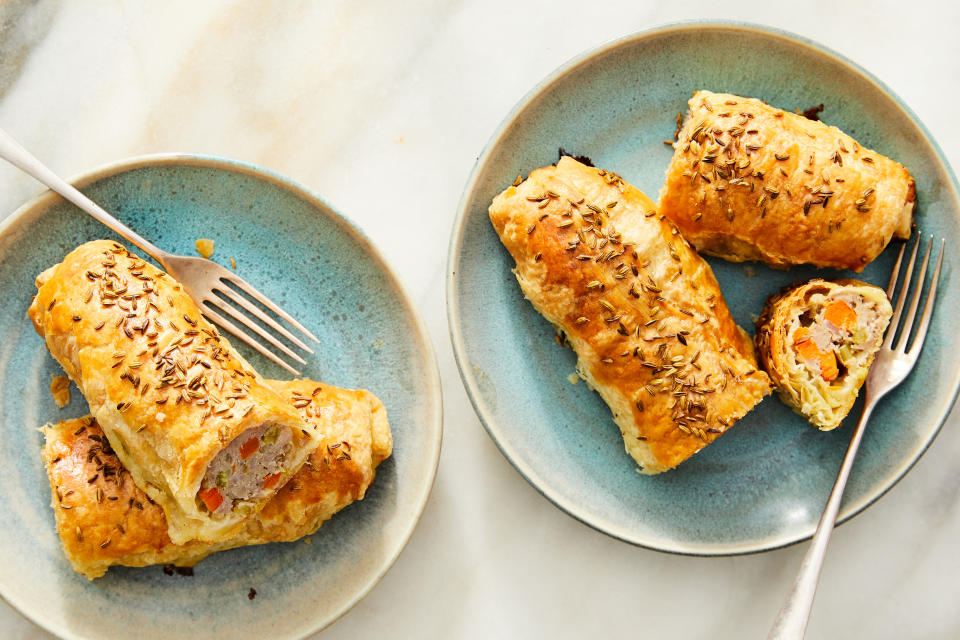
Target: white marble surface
[330,92]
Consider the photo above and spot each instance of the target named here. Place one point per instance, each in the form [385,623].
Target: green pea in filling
[271,435]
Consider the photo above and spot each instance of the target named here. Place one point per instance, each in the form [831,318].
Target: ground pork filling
[836,336]
[246,470]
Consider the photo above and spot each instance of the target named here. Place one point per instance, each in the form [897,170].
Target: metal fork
[890,368]
[210,285]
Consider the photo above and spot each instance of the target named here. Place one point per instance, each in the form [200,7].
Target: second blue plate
[763,484]
[312,262]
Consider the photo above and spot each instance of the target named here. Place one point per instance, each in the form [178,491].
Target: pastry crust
[796,317]
[103,519]
[752,182]
[168,390]
[640,308]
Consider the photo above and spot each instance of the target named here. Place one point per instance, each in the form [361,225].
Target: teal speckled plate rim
[848,510]
[433,391]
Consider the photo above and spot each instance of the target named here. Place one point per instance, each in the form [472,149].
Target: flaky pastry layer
[817,340]
[752,182]
[641,309]
[166,387]
[103,519]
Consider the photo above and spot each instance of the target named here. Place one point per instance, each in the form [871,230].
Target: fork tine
[247,288]
[236,315]
[236,298]
[895,272]
[912,312]
[901,298]
[928,306]
[229,326]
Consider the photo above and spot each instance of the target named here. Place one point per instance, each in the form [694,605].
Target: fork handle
[791,621]
[15,154]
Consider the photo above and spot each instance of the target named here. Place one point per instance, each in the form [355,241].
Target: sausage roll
[191,420]
[817,340]
[640,308]
[751,182]
[104,519]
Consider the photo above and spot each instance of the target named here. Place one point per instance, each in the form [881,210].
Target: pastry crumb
[205,247]
[813,113]
[573,378]
[306,540]
[170,569]
[233,263]
[750,271]
[581,159]
[60,390]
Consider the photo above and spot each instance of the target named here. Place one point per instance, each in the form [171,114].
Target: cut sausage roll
[104,519]
[751,182]
[191,420]
[640,308]
[817,341]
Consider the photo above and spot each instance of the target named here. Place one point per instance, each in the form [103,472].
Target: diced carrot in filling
[249,448]
[211,498]
[828,366]
[271,481]
[808,350]
[841,315]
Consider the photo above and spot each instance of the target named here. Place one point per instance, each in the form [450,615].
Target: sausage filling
[837,336]
[246,470]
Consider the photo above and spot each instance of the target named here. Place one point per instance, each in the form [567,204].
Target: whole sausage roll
[104,519]
[817,341]
[751,182]
[191,420]
[640,308]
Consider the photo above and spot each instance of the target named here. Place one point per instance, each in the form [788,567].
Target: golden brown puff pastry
[751,182]
[103,519]
[193,422]
[641,309]
[817,341]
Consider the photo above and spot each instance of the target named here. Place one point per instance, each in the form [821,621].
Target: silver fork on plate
[205,281]
[891,367]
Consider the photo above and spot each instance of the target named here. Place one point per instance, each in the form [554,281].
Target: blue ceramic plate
[764,484]
[319,267]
